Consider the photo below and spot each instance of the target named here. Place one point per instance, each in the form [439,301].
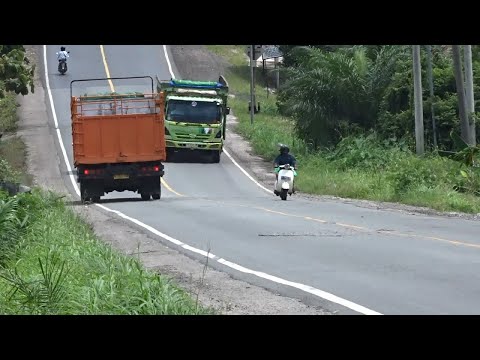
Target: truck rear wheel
[157,196]
[158,189]
[85,192]
[91,190]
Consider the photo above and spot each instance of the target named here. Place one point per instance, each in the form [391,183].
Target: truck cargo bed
[118,129]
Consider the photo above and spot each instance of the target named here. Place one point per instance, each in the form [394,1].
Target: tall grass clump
[8,113]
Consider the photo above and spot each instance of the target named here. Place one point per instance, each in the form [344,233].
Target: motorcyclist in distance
[63,54]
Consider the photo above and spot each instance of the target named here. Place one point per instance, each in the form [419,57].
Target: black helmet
[284,149]
[62,48]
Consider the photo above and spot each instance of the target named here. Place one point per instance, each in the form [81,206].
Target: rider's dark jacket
[283,159]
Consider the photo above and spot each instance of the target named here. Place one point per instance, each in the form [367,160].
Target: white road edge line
[306,288]
[54,114]
[246,173]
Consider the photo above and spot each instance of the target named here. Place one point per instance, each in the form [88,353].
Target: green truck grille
[191,137]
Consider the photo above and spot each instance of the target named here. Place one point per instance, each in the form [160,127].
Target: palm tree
[332,91]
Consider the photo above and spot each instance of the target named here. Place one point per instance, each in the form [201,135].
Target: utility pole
[432,105]
[467,58]
[252,80]
[417,91]
[462,102]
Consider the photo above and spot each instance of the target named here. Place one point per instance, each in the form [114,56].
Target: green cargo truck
[195,115]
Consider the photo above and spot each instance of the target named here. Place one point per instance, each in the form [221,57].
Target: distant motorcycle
[284,182]
[62,65]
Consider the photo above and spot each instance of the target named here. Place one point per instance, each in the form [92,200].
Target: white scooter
[284,182]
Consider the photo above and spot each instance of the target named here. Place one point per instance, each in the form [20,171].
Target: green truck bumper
[194,145]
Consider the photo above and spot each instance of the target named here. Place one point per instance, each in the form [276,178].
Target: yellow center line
[106,68]
[352,226]
[112,88]
[170,188]
[454,242]
[355,227]
[313,219]
[276,212]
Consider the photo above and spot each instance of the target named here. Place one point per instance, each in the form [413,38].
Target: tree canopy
[16,72]
[332,92]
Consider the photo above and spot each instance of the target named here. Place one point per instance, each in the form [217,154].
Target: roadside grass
[428,182]
[8,116]
[320,177]
[12,148]
[58,266]
[14,151]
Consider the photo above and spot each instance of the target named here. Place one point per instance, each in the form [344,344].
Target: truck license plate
[120,176]
[191,145]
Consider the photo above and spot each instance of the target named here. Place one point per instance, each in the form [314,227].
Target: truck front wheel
[145,196]
[170,154]
[216,156]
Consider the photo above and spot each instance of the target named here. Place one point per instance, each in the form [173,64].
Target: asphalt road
[386,261]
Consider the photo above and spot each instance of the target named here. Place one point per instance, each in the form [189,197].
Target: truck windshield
[193,111]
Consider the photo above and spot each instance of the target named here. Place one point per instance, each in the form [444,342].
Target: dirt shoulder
[214,288]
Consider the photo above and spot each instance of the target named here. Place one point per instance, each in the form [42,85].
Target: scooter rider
[284,158]
[62,54]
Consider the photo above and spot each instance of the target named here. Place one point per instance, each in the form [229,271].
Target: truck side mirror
[227,110]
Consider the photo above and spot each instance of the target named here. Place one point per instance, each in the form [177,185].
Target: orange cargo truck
[118,142]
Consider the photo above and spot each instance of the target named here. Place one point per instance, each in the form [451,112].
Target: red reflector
[156,168]
[86,171]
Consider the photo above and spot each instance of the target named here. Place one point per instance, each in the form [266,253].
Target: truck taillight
[93,171]
[148,168]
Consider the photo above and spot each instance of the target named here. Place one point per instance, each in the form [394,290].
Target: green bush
[367,153]
[428,172]
[468,181]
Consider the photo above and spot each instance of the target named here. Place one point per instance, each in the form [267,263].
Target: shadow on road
[190,156]
[105,201]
